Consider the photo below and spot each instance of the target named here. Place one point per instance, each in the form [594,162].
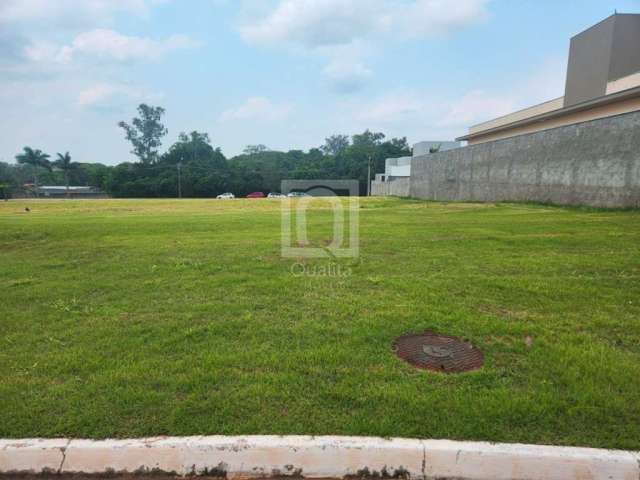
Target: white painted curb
[318,457]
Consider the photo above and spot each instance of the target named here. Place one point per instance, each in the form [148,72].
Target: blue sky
[285,73]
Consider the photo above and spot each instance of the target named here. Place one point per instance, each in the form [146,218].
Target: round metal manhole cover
[436,352]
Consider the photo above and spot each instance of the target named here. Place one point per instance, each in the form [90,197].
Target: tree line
[193,167]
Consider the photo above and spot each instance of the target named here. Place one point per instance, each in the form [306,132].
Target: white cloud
[422,18]
[391,108]
[108,95]
[429,115]
[346,70]
[477,106]
[347,77]
[336,29]
[31,29]
[257,108]
[60,13]
[544,83]
[313,23]
[108,44]
[316,23]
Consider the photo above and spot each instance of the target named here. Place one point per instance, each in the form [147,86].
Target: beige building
[603,79]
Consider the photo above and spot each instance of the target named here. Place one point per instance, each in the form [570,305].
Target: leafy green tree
[270,166]
[10,177]
[203,171]
[335,144]
[93,174]
[203,168]
[37,160]
[368,139]
[145,133]
[254,149]
[65,164]
[368,147]
[4,190]
[194,147]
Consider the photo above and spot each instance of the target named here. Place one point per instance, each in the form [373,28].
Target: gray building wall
[625,53]
[589,58]
[604,52]
[593,163]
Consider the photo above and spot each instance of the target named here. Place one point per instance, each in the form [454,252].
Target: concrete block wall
[595,163]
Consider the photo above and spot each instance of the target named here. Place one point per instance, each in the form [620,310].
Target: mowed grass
[126,318]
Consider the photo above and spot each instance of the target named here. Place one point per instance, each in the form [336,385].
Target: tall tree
[335,144]
[37,159]
[368,140]
[365,150]
[145,133]
[65,164]
[254,149]
[193,147]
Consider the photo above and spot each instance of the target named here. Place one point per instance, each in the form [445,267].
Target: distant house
[56,191]
[397,167]
[603,80]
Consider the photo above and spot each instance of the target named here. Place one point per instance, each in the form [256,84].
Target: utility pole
[369,176]
[180,178]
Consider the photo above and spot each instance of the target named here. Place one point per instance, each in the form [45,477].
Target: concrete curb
[317,457]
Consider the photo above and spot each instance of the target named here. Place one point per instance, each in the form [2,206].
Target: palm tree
[37,159]
[65,164]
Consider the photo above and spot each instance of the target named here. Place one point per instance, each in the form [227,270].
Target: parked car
[226,196]
[256,195]
[276,195]
[298,194]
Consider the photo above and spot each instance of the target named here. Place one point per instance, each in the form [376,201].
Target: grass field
[127,318]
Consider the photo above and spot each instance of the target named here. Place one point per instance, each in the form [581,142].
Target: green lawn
[124,318]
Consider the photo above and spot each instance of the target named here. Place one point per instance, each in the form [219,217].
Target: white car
[298,194]
[226,196]
[276,195]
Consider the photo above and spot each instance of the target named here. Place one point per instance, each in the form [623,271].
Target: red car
[256,195]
